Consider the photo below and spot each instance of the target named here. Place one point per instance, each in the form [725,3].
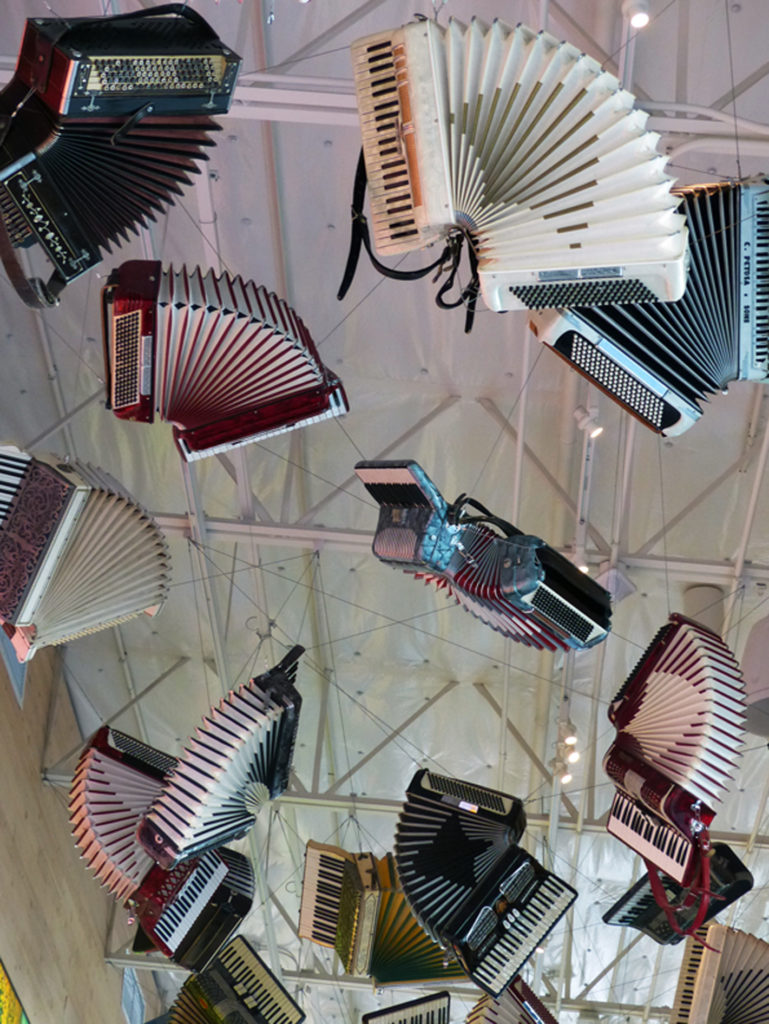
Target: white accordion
[222,359]
[530,148]
[77,554]
[727,983]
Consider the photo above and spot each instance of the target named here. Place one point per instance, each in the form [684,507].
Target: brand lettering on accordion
[662,361]
[514,583]
[54,515]
[530,149]
[105,120]
[222,359]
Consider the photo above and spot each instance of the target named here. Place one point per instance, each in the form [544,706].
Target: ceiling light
[572,757]
[566,778]
[637,13]
[584,567]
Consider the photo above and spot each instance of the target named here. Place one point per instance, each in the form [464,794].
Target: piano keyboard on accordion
[237,987]
[77,554]
[729,879]
[105,121]
[680,722]
[187,914]
[516,584]
[516,1005]
[433,1009]
[727,983]
[366,918]
[492,131]
[660,361]
[224,360]
[190,911]
[469,885]
[239,758]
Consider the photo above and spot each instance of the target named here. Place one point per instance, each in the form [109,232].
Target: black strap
[455,514]
[450,256]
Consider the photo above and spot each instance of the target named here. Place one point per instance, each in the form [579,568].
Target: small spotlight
[596,432]
[587,419]
[584,568]
[637,12]
[566,778]
[573,756]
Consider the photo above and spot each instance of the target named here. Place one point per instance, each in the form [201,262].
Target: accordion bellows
[528,146]
[222,359]
[516,1005]
[116,780]
[727,983]
[470,886]
[109,118]
[513,582]
[238,759]
[77,554]
[661,361]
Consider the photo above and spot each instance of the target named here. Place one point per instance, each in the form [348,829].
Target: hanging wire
[734,89]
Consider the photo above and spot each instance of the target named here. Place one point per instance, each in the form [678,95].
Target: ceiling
[271,544]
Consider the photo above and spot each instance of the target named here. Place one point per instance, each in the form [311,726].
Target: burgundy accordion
[222,359]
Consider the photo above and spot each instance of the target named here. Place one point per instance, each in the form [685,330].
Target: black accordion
[729,879]
[515,583]
[434,1009]
[660,361]
[470,886]
[237,987]
[222,359]
[102,124]
[239,758]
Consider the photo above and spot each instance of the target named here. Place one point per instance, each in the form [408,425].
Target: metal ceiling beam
[359,541]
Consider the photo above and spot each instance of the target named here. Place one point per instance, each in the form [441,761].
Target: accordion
[529,148]
[469,885]
[224,360]
[239,758]
[237,986]
[514,583]
[353,903]
[433,1009]
[77,554]
[680,721]
[516,1005]
[725,982]
[187,913]
[661,361]
[103,122]
[729,879]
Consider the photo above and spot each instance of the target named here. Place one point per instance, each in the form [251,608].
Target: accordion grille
[396,544]
[161,74]
[17,228]
[468,793]
[550,295]
[127,342]
[559,612]
[620,384]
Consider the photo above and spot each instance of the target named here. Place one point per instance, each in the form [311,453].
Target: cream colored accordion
[353,903]
[434,1009]
[77,554]
[725,982]
[222,359]
[528,147]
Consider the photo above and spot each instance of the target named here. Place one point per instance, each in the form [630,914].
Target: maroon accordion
[187,913]
[680,722]
[222,359]
[516,1005]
